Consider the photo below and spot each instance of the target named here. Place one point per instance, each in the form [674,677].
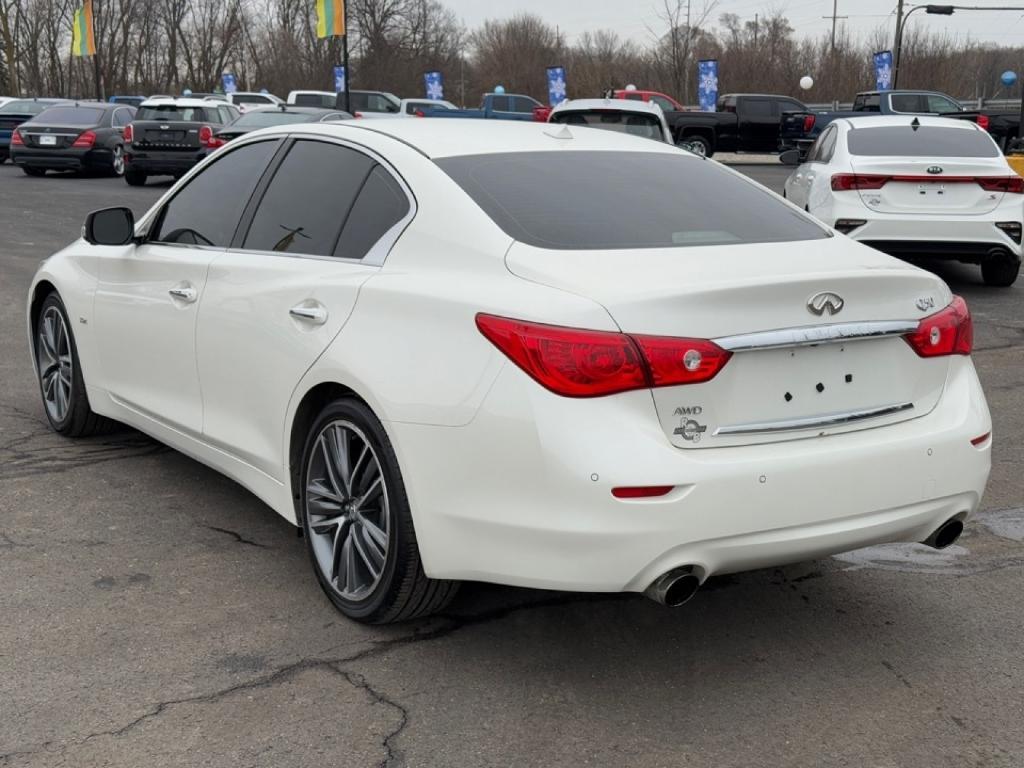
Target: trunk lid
[166,135]
[46,137]
[930,187]
[770,394]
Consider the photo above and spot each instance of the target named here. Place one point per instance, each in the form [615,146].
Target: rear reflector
[579,363]
[846,226]
[981,439]
[642,491]
[1012,229]
[947,332]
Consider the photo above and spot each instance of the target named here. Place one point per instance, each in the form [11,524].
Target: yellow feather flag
[83,41]
[330,18]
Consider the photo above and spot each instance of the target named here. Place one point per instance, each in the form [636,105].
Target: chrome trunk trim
[814,422]
[813,335]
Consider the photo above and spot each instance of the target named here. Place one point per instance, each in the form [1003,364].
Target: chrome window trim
[814,335]
[814,422]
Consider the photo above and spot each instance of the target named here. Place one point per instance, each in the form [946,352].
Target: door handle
[184,292]
[312,313]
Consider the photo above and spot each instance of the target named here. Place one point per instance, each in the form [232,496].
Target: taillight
[129,133]
[568,361]
[947,332]
[579,363]
[847,182]
[206,137]
[808,123]
[1013,185]
[983,122]
[673,361]
[16,139]
[85,140]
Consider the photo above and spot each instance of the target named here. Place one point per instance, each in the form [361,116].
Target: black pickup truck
[744,122]
[169,136]
[1003,125]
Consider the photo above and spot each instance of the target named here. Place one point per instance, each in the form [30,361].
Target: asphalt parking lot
[156,614]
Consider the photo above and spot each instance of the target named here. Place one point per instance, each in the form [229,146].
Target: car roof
[294,109]
[879,121]
[618,105]
[903,90]
[182,101]
[438,138]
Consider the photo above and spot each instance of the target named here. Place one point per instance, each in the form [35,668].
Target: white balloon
[807,82]
[630,87]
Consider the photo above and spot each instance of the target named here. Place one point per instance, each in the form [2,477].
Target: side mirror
[791,157]
[110,226]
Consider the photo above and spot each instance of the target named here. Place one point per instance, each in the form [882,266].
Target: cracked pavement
[155,613]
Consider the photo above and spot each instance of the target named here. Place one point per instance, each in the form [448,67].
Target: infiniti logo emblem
[825,303]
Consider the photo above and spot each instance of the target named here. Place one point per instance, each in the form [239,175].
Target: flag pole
[96,54]
[344,55]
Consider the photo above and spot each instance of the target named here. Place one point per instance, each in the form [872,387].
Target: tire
[134,178]
[30,171]
[701,145]
[116,161]
[375,530]
[1000,272]
[59,373]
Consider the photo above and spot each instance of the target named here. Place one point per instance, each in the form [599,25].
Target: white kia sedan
[519,353]
[915,187]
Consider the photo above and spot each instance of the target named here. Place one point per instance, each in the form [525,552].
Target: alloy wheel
[53,354]
[347,510]
[118,161]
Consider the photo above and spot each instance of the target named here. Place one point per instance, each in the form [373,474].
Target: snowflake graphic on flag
[434,90]
[557,88]
[884,77]
[708,82]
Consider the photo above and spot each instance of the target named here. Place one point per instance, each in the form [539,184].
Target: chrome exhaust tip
[674,588]
[945,534]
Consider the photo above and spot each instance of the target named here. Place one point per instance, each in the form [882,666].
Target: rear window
[646,126]
[24,107]
[926,141]
[588,200]
[314,100]
[172,112]
[72,116]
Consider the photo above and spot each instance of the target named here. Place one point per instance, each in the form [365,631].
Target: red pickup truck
[667,103]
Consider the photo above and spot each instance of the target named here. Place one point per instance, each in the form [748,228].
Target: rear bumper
[161,163]
[522,494]
[62,159]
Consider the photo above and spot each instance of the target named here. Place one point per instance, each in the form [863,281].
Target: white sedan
[636,118]
[916,187]
[566,359]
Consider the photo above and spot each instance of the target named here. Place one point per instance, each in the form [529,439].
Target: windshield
[647,126]
[256,120]
[25,107]
[926,141]
[78,116]
[173,112]
[591,200]
[251,98]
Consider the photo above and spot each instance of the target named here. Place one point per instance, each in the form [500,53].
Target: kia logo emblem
[935,169]
[825,303]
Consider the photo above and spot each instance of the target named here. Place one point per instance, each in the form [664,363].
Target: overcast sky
[631,17]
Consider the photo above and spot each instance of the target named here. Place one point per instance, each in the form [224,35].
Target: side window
[634,96]
[940,104]
[786,105]
[828,144]
[501,104]
[411,107]
[207,210]
[381,204]
[522,104]
[122,117]
[308,200]
[908,102]
[757,108]
[665,104]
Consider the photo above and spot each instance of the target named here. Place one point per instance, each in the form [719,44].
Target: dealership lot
[156,613]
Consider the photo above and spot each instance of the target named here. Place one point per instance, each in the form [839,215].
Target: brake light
[847,182]
[947,332]
[16,139]
[1013,185]
[129,133]
[984,122]
[579,363]
[672,361]
[85,140]
[808,123]
[207,139]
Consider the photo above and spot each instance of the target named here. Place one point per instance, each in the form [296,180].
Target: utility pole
[835,16]
[757,26]
[898,46]
[686,58]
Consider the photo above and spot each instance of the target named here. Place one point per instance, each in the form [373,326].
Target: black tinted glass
[381,204]
[206,212]
[757,108]
[71,116]
[597,200]
[926,141]
[24,107]
[501,104]
[645,126]
[171,112]
[308,200]
[908,102]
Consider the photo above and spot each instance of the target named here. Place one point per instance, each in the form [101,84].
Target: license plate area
[48,141]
